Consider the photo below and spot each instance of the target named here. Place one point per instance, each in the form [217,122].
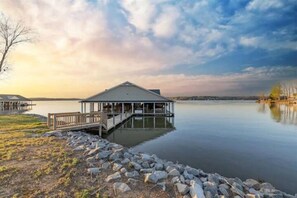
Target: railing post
[49,120]
[54,122]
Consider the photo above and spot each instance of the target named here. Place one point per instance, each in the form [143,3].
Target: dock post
[100,131]
[54,122]
[49,120]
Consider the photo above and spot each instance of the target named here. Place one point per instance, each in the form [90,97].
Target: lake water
[233,138]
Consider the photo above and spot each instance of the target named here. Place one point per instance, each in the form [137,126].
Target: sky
[185,48]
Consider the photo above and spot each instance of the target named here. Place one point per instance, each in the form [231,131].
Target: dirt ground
[34,166]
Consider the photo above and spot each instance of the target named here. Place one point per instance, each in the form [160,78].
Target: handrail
[75,119]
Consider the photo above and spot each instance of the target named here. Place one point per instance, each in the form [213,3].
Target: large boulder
[174,172]
[251,183]
[155,176]
[196,190]
[132,174]
[120,188]
[112,177]
[182,188]
[103,154]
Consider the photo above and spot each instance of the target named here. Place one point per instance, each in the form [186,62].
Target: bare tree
[11,34]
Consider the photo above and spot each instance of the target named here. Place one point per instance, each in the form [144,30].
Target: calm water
[235,139]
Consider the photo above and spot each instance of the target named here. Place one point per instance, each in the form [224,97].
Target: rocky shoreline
[140,168]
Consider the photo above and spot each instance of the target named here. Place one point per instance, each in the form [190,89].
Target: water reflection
[282,113]
[141,129]
[14,109]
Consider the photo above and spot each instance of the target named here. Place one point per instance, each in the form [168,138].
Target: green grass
[22,123]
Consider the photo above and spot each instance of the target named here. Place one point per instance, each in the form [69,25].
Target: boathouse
[8,101]
[129,98]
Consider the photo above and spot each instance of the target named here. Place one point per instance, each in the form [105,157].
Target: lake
[233,138]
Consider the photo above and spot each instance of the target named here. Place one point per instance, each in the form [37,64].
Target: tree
[11,34]
[276,91]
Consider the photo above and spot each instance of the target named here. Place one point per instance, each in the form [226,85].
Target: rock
[223,191]
[147,170]
[251,183]
[237,185]
[116,166]
[266,188]
[127,155]
[105,165]
[123,170]
[53,134]
[125,161]
[192,171]
[93,171]
[120,187]
[213,178]
[196,190]
[93,151]
[208,194]
[182,179]
[115,156]
[112,177]
[135,165]
[159,166]
[133,181]
[133,174]
[174,172]
[100,145]
[103,154]
[224,186]
[250,196]
[175,180]
[146,157]
[187,175]
[169,168]
[237,191]
[182,188]
[115,146]
[79,148]
[145,165]
[155,176]
[162,185]
[211,187]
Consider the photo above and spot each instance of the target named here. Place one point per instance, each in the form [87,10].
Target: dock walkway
[78,121]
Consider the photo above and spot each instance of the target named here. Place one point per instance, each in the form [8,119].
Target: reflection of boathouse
[137,130]
[14,103]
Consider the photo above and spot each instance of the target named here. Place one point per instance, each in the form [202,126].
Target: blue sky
[206,47]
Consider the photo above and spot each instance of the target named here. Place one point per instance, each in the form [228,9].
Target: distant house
[129,98]
[7,101]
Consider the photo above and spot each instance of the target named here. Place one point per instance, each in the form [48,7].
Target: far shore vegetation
[281,93]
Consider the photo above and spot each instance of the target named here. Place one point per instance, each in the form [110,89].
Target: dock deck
[77,121]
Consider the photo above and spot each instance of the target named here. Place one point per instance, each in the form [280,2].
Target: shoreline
[142,168]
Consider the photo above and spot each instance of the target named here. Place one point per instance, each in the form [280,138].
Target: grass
[27,161]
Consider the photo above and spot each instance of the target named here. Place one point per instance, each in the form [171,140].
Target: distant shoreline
[54,99]
[184,98]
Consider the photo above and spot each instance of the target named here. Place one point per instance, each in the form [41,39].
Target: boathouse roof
[128,92]
[12,98]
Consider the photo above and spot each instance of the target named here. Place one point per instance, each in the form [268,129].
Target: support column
[173,108]
[154,109]
[81,107]
[85,107]
[91,107]
[132,107]
[101,106]
[143,108]
[169,108]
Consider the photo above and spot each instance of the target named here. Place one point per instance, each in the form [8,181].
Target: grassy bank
[33,166]
[36,166]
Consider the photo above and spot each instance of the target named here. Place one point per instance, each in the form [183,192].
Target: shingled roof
[12,98]
[127,92]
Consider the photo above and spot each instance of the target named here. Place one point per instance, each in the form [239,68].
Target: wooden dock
[77,121]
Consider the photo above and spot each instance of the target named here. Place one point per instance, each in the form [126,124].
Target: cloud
[263,5]
[93,45]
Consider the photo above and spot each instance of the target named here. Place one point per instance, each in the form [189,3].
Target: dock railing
[75,119]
